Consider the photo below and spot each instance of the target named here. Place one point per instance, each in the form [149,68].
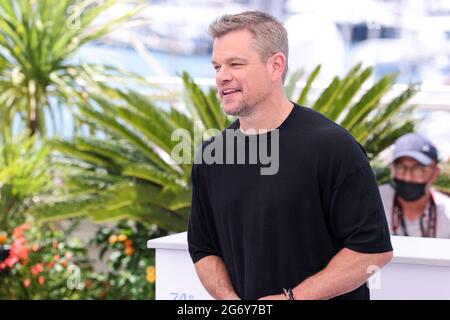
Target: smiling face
[243,80]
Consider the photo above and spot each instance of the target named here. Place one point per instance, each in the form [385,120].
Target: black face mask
[409,191]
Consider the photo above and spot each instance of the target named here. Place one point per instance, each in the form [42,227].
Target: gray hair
[269,34]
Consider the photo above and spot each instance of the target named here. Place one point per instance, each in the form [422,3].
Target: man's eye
[216,68]
[236,64]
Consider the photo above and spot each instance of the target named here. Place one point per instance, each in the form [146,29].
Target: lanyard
[398,219]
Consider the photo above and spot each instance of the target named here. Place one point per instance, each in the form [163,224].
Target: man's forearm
[214,276]
[347,271]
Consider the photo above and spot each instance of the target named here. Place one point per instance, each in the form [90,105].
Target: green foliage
[38,40]
[443,182]
[374,123]
[127,174]
[131,265]
[23,174]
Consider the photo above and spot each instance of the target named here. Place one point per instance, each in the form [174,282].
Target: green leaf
[368,101]
[289,88]
[328,96]
[304,94]
[352,83]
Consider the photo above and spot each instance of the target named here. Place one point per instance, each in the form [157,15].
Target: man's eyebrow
[231,59]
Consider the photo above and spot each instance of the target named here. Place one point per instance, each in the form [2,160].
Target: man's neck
[268,116]
[414,209]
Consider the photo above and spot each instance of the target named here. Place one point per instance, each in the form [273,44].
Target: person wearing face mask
[413,207]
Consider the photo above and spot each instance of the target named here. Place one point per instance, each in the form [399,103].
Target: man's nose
[223,75]
[407,176]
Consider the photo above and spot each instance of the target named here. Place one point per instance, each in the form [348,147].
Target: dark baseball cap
[415,146]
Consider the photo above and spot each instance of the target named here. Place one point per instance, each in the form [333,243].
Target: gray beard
[243,110]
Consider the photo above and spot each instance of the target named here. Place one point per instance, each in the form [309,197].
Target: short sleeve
[202,236]
[358,220]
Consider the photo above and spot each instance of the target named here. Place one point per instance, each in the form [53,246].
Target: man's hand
[274,297]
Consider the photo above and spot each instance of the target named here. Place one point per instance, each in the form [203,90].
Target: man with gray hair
[311,230]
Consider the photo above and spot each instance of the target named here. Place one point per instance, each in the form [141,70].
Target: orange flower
[129,251]
[41,280]
[64,263]
[112,239]
[35,247]
[151,274]
[56,257]
[151,279]
[55,244]
[3,237]
[128,243]
[122,238]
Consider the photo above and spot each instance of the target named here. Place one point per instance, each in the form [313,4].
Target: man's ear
[436,174]
[278,64]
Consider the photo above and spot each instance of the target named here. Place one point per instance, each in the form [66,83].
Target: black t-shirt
[274,231]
